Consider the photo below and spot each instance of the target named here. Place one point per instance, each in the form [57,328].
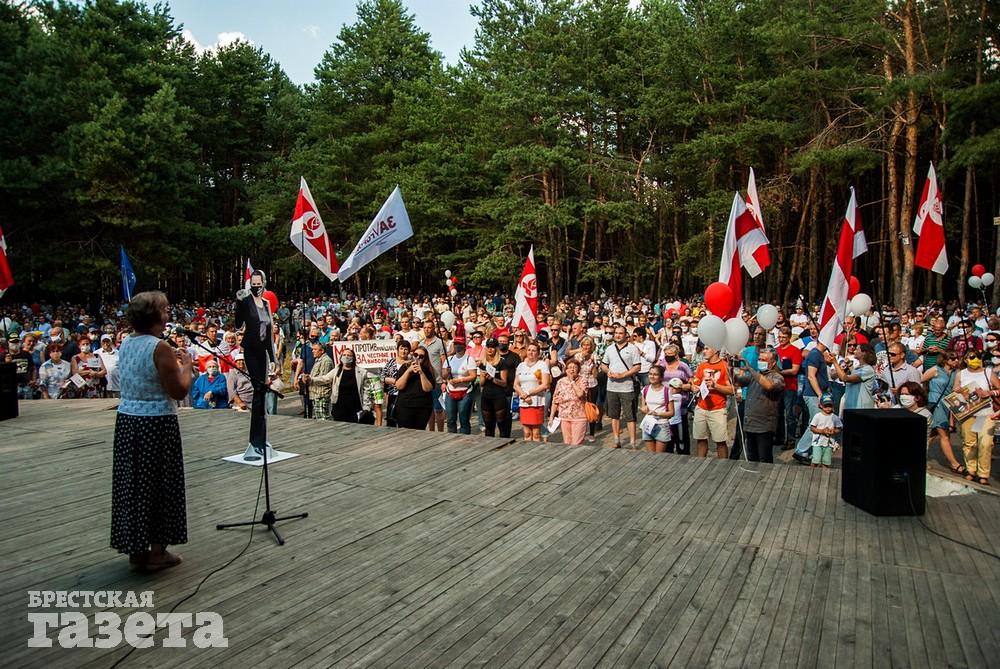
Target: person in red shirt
[712,386]
[789,363]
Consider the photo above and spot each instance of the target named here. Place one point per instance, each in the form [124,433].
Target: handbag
[592,412]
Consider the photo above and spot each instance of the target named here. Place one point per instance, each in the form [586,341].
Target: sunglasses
[420,357]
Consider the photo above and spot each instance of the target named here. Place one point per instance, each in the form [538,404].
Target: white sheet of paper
[978,423]
[703,390]
[441,401]
[554,423]
[78,381]
[490,370]
[648,424]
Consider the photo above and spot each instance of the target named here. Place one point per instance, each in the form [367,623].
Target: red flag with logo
[246,275]
[929,224]
[526,297]
[851,244]
[309,236]
[6,277]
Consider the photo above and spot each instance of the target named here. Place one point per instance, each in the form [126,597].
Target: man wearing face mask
[764,395]
[209,390]
[510,360]
[254,314]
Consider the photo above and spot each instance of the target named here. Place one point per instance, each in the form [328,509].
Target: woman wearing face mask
[350,394]
[940,380]
[977,430]
[675,368]
[89,367]
[913,397]
[588,370]
[991,349]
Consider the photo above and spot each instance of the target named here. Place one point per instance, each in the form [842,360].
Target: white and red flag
[246,275]
[6,277]
[526,297]
[851,244]
[309,234]
[929,224]
[745,245]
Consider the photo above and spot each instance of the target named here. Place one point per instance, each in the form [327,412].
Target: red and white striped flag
[745,245]
[526,297]
[309,236]
[246,275]
[6,277]
[851,244]
[929,224]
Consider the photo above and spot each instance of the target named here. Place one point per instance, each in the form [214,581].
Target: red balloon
[272,299]
[719,299]
[853,287]
[978,270]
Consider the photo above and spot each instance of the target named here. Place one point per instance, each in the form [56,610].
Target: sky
[296,33]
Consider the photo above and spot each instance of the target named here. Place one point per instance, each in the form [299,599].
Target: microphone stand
[269,519]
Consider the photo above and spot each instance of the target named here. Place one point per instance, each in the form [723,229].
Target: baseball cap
[107,337]
[492,343]
[459,341]
[826,401]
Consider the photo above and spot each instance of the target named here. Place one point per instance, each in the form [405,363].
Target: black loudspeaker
[885,461]
[8,390]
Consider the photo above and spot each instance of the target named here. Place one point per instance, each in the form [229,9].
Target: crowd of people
[637,367]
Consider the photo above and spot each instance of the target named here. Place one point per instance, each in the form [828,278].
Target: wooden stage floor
[423,550]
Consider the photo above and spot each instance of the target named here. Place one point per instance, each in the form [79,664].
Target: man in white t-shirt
[109,356]
[621,364]
[799,318]
[458,373]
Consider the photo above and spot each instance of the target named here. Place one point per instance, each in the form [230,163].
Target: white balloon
[987,279]
[712,331]
[447,274]
[737,335]
[454,292]
[767,316]
[449,282]
[975,281]
[448,318]
[860,304]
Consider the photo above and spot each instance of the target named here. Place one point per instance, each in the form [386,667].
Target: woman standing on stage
[148,510]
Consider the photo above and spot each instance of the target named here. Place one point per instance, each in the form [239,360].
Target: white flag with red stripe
[929,224]
[526,297]
[851,244]
[6,276]
[309,236]
[246,275]
[745,246]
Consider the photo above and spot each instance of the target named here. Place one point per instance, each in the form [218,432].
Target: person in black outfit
[415,381]
[511,360]
[254,313]
[495,373]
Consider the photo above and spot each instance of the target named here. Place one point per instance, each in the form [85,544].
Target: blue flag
[128,276]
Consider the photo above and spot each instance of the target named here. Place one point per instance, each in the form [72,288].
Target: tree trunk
[892,173]
[910,170]
[963,263]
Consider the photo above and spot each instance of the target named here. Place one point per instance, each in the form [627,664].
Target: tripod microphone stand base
[268,520]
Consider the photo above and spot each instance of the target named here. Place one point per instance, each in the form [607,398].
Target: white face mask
[991,344]
[907,401]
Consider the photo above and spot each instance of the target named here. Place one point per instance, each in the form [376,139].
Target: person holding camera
[415,383]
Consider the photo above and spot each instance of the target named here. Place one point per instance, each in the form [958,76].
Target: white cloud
[221,40]
[311,31]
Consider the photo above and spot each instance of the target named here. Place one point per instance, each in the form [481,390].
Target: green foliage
[609,136]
